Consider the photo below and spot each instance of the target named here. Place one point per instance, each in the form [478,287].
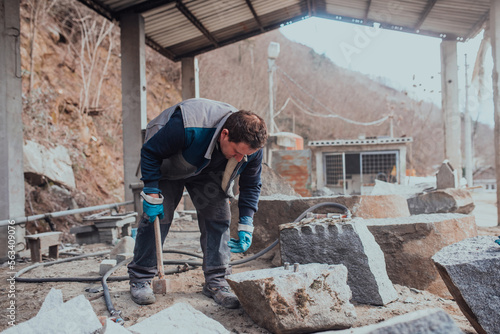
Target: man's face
[232,149]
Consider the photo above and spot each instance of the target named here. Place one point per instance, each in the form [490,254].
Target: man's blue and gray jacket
[179,144]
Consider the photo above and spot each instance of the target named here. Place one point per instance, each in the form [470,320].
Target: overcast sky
[404,61]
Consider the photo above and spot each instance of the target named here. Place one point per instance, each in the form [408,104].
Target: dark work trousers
[214,217]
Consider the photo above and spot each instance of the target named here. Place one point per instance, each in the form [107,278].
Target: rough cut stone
[53,299]
[76,316]
[180,318]
[349,243]
[125,245]
[446,176]
[470,269]
[314,298]
[278,209]
[105,266]
[52,163]
[429,321]
[409,243]
[442,201]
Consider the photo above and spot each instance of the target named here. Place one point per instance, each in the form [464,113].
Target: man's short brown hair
[247,127]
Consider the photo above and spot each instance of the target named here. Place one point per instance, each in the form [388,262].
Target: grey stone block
[53,299]
[470,269]
[314,298]
[73,317]
[430,321]
[105,266]
[123,256]
[348,243]
[125,245]
[442,201]
[180,318]
[87,234]
[409,243]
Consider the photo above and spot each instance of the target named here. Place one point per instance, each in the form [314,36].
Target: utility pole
[468,131]
[272,53]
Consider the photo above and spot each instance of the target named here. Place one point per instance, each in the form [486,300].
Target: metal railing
[21,220]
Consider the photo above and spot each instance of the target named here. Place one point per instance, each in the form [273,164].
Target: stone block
[313,298]
[409,243]
[125,245]
[51,163]
[123,256]
[446,176]
[349,243]
[279,209]
[180,318]
[53,299]
[470,269]
[87,234]
[442,201]
[429,321]
[105,266]
[76,316]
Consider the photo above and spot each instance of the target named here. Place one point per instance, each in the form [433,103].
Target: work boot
[222,296]
[142,293]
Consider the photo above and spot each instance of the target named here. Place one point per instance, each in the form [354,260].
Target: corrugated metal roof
[185,28]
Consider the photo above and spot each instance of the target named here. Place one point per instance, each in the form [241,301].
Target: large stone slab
[429,321]
[76,316]
[409,243]
[471,271]
[349,243]
[52,163]
[442,201]
[180,318]
[313,298]
[279,209]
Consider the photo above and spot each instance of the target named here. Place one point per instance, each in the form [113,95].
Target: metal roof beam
[187,13]
[427,10]
[478,25]
[100,8]
[145,6]
[369,4]
[254,13]
[311,7]
[158,48]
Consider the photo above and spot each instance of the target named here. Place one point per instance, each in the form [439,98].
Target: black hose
[18,277]
[115,314]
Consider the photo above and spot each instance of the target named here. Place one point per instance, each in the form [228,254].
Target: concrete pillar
[133,95]
[11,126]
[190,87]
[451,113]
[495,45]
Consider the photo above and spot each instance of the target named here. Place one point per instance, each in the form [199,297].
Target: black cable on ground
[115,314]
[18,277]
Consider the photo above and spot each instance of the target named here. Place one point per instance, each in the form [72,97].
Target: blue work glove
[498,240]
[245,230]
[152,206]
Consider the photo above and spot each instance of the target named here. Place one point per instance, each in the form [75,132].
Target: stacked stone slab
[442,201]
[279,209]
[349,243]
[313,298]
[409,243]
[471,271]
[430,321]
